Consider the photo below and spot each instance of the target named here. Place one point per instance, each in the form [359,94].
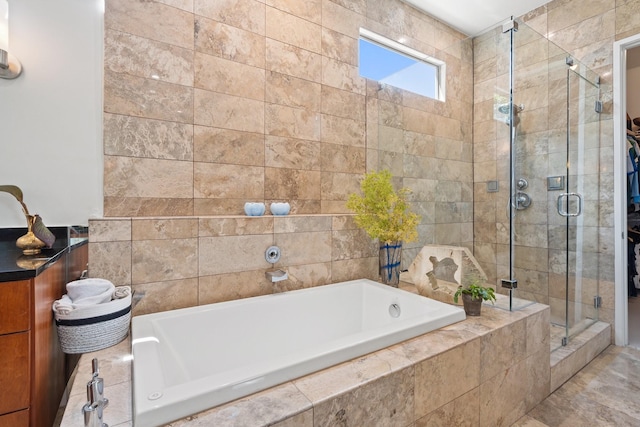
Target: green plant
[383,212]
[476,291]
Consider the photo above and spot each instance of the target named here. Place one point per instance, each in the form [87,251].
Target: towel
[90,291]
[63,306]
[121,292]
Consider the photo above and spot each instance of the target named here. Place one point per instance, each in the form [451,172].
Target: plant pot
[390,257]
[471,306]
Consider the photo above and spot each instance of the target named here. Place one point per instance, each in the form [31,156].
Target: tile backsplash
[182,262]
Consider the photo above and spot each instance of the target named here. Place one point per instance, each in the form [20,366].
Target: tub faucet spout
[277,275]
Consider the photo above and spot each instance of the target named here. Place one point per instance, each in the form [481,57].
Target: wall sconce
[10,67]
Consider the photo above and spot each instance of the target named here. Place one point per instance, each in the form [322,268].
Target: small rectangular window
[395,64]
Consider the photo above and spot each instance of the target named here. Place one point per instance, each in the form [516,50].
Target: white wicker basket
[95,327]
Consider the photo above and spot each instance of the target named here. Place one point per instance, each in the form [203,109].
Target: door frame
[621,320]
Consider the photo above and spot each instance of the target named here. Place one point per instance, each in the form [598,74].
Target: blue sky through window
[396,69]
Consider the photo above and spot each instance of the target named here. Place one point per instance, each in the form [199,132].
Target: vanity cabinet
[33,369]
[15,361]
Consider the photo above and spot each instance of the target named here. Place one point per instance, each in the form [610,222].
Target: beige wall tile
[293,30]
[310,10]
[228,112]
[229,254]
[147,206]
[294,61]
[230,77]
[304,276]
[627,19]
[350,269]
[343,103]
[291,184]
[162,260]
[348,244]
[143,57]
[165,228]
[109,230]
[291,122]
[216,145]
[572,12]
[295,224]
[287,90]
[502,349]
[137,96]
[111,261]
[246,14]
[180,4]
[227,41]
[388,401]
[138,177]
[460,412]
[338,130]
[342,158]
[233,286]
[342,75]
[282,152]
[509,388]
[212,180]
[338,186]
[166,295]
[434,385]
[220,226]
[341,19]
[152,20]
[138,137]
[340,47]
[295,246]
[538,375]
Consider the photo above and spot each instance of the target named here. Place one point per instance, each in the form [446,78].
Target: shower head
[504,108]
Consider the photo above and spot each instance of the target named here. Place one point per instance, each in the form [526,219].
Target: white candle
[4,25]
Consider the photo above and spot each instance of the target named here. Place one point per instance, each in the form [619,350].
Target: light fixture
[10,67]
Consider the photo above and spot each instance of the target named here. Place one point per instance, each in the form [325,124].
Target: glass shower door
[574,244]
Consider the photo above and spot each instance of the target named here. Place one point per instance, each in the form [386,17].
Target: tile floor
[634,322]
[604,393]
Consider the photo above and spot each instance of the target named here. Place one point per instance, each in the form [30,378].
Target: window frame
[401,49]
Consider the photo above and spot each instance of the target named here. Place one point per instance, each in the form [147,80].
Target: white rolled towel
[63,306]
[90,291]
[121,292]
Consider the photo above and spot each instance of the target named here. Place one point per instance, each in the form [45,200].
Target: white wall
[51,116]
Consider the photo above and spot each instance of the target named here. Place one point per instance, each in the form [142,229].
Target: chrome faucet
[93,410]
[276,275]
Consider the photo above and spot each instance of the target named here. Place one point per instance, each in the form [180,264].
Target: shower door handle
[566,197]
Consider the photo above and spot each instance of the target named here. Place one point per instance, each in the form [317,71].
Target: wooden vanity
[33,369]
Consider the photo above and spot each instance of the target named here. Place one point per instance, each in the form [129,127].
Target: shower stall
[536,156]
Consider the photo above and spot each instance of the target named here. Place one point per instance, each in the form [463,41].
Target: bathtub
[188,360]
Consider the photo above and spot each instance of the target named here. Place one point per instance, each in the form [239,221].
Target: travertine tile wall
[209,104]
[586,30]
[182,262]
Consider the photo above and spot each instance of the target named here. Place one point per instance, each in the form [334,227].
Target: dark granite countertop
[16,266]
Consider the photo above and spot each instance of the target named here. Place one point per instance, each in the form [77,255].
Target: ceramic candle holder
[280,208]
[254,209]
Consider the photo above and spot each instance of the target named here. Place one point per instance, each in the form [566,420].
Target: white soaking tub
[188,360]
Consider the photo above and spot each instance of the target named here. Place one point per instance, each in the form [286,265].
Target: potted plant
[473,294]
[384,214]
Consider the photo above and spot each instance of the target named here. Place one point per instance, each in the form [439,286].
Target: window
[395,64]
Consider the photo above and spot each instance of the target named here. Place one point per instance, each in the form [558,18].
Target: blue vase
[390,258]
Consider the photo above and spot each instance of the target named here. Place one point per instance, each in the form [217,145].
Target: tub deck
[407,381]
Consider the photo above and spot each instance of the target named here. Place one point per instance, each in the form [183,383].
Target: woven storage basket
[94,327]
